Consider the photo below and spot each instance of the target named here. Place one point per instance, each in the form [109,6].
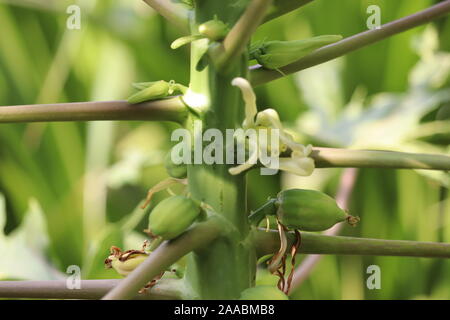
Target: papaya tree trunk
[227,266]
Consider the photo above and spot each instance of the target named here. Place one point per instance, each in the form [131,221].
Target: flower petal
[250,100]
[252,159]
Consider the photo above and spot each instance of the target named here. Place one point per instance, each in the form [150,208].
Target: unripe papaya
[306,210]
[309,210]
[178,171]
[264,292]
[172,216]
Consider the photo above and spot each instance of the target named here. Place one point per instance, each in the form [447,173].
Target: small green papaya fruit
[309,210]
[264,292]
[178,171]
[172,216]
[306,210]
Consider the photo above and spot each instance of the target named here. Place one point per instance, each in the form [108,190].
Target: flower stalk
[341,158]
[167,289]
[312,243]
[172,109]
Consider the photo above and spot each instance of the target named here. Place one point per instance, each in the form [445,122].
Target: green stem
[239,36]
[229,257]
[269,242]
[90,289]
[164,256]
[281,7]
[175,13]
[259,75]
[172,109]
[336,158]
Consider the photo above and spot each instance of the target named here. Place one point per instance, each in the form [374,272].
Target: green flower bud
[172,216]
[156,90]
[214,30]
[265,292]
[277,54]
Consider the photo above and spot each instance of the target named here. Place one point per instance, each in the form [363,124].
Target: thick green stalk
[89,289]
[269,242]
[227,266]
[172,109]
[335,158]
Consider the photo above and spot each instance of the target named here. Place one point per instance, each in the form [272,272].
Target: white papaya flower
[299,161]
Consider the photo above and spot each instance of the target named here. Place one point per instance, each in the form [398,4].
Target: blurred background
[68,191]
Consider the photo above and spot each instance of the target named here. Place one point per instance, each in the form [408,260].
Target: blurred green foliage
[71,190]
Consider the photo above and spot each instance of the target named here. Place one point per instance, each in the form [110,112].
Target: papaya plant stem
[239,36]
[163,257]
[230,256]
[89,289]
[172,109]
[173,12]
[259,75]
[281,7]
[268,242]
[333,158]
